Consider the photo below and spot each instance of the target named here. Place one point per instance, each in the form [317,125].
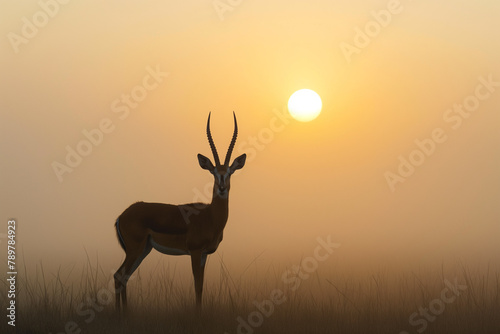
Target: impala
[193,229]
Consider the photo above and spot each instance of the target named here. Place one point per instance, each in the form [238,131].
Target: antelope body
[193,229]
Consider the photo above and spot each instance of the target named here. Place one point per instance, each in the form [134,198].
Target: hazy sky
[382,90]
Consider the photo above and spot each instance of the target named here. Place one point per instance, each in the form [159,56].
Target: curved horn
[233,141]
[211,142]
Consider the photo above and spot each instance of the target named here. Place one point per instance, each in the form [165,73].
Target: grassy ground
[379,303]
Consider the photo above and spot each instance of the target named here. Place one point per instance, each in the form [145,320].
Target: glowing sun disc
[304,105]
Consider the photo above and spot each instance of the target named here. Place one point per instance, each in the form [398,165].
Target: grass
[376,303]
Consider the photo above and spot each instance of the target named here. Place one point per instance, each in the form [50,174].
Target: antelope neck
[219,207]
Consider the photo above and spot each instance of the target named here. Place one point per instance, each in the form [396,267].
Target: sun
[304,105]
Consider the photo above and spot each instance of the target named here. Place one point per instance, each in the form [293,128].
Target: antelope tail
[118,234]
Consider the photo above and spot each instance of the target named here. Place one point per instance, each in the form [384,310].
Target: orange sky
[302,180]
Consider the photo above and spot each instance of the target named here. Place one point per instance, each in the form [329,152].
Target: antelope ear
[238,163]
[205,163]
